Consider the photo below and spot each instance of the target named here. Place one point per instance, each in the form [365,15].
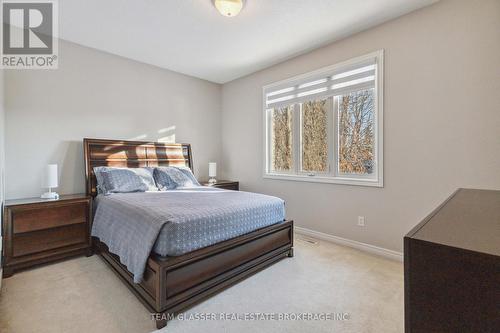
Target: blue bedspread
[175,222]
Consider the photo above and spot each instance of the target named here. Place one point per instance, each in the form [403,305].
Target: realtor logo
[29,34]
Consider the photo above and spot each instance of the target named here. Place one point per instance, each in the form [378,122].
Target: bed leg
[161,323]
[290,253]
[7,272]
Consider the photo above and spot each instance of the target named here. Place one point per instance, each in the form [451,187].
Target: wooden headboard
[132,154]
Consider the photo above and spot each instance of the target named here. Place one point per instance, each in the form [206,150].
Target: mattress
[237,214]
[176,222]
[209,222]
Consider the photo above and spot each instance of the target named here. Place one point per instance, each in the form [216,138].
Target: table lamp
[212,172]
[50,181]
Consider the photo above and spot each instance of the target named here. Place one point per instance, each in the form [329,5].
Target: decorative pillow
[169,178]
[124,180]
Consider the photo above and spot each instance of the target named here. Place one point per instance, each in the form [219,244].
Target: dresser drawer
[44,240]
[42,218]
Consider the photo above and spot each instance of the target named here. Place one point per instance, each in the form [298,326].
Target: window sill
[328,180]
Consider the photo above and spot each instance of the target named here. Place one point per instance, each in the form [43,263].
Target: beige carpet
[83,295]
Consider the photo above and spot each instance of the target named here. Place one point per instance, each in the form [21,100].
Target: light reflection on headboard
[132,154]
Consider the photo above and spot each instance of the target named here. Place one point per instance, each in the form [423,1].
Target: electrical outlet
[361,221]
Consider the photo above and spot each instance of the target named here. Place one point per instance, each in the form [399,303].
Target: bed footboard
[173,283]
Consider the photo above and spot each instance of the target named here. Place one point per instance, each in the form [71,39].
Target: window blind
[333,82]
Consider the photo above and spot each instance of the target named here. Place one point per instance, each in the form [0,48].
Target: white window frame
[332,176]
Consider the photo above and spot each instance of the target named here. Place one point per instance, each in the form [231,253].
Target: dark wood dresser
[452,266]
[40,230]
[225,184]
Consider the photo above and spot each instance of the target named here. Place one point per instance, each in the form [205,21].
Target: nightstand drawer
[37,231]
[43,240]
[224,184]
[42,218]
[232,186]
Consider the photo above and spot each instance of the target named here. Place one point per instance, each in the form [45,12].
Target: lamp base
[212,180]
[50,195]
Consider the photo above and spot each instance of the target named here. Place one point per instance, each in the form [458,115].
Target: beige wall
[95,94]
[441,130]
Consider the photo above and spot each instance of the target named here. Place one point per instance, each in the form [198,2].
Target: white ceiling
[191,37]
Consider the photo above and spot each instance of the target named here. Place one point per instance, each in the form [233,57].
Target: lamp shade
[49,179]
[212,169]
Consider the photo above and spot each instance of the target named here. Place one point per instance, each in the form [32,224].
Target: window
[282,139]
[326,126]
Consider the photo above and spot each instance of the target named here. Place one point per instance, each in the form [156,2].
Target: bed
[176,277]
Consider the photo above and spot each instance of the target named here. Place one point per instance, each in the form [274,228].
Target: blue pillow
[124,180]
[100,182]
[169,178]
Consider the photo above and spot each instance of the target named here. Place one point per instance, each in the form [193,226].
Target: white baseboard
[380,251]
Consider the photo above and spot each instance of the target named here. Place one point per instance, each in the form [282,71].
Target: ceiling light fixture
[229,8]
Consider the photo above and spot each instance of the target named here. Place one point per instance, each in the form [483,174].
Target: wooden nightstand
[37,230]
[225,184]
